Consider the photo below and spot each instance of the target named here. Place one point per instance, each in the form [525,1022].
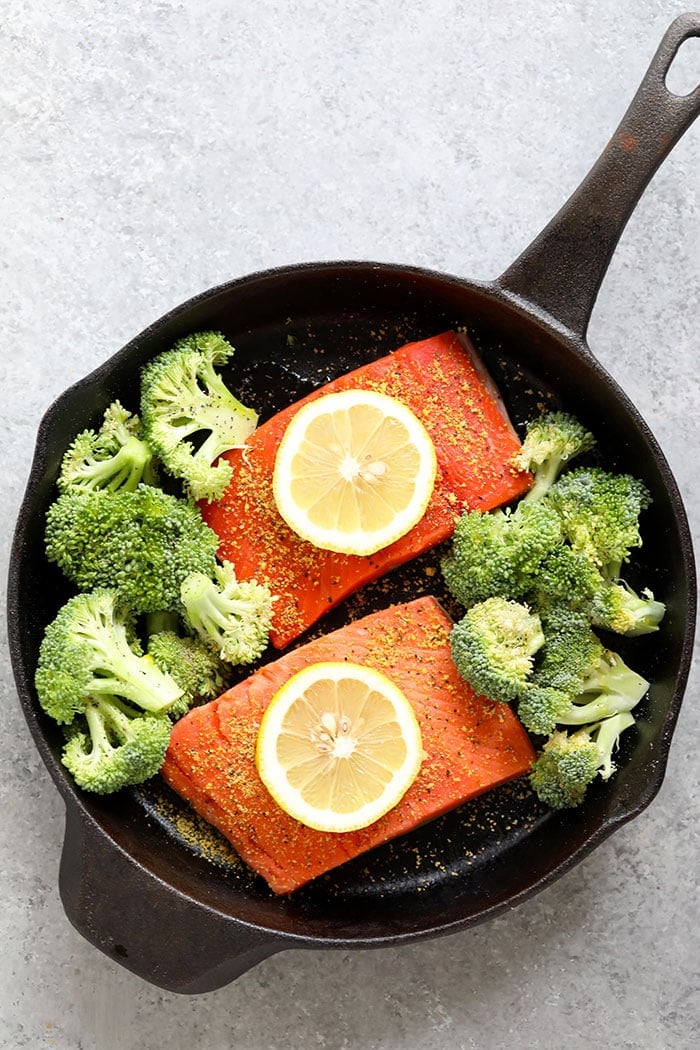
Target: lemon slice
[354,471]
[338,746]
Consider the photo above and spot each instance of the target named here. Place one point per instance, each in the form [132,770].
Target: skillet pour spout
[128,881]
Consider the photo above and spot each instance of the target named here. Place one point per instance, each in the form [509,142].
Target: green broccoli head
[113,458]
[233,617]
[551,442]
[571,650]
[493,646]
[500,553]
[197,669]
[540,707]
[113,746]
[569,762]
[183,395]
[565,767]
[89,651]
[141,544]
[566,576]
[600,515]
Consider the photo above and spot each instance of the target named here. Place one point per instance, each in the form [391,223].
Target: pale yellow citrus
[338,746]
[354,471]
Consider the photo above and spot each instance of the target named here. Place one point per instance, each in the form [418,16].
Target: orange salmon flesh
[471,745]
[441,381]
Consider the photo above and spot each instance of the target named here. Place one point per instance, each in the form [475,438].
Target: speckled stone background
[153,149]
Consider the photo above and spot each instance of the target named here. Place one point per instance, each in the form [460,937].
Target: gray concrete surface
[152,150]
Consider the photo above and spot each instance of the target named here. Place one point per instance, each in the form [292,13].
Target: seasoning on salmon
[445,385]
[471,745]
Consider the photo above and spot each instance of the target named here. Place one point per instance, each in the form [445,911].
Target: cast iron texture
[128,881]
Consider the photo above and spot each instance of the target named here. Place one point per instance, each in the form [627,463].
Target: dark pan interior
[294,329]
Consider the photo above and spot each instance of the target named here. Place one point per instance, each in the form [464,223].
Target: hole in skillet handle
[683,75]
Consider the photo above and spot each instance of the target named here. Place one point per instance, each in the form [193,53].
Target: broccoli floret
[499,553]
[113,458]
[493,646]
[199,671]
[617,607]
[600,515]
[183,395]
[551,441]
[90,651]
[233,617]
[610,688]
[568,763]
[577,680]
[113,746]
[141,544]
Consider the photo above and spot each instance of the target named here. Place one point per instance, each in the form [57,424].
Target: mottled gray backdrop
[153,149]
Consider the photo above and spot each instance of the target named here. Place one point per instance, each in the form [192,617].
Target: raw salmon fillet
[470,744]
[441,380]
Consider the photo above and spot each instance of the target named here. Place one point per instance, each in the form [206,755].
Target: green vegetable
[198,670]
[617,607]
[90,651]
[551,442]
[183,395]
[141,544]
[500,553]
[493,646]
[233,617]
[558,558]
[113,746]
[92,676]
[569,763]
[113,458]
[600,515]
[611,688]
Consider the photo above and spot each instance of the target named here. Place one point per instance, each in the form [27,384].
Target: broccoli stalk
[121,746]
[233,617]
[568,763]
[493,646]
[90,651]
[141,544]
[114,458]
[183,395]
[551,441]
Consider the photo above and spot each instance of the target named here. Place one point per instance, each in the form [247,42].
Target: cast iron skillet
[144,885]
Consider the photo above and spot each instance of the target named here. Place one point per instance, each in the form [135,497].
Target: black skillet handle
[562,270]
[145,924]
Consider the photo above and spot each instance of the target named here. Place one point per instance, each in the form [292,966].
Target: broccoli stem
[604,706]
[613,676]
[126,674]
[607,735]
